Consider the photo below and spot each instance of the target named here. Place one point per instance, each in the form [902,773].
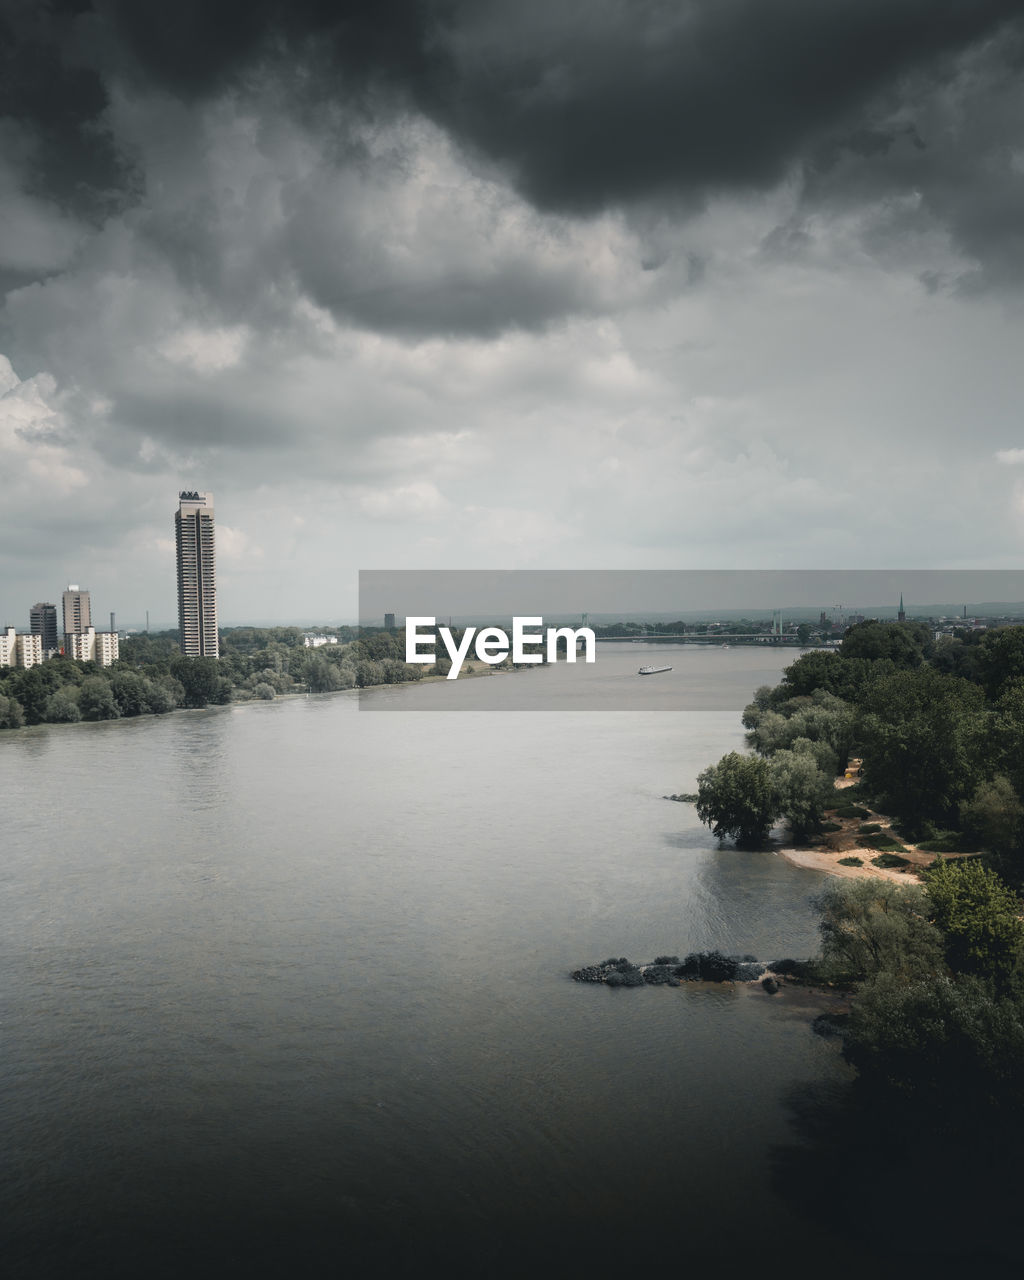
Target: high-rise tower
[77,613]
[43,623]
[197,579]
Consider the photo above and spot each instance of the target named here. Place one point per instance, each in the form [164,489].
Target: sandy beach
[846,843]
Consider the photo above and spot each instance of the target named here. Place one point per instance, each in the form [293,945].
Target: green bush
[849,810]
[884,844]
[831,826]
[851,861]
[891,861]
[869,829]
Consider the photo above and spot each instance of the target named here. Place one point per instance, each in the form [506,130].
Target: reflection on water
[289,979]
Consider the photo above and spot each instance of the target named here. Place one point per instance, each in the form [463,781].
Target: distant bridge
[718,637]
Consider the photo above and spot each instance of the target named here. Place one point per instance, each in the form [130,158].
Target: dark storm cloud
[582,107]
[586,104]
[47,91]
[598,104]
[952,152]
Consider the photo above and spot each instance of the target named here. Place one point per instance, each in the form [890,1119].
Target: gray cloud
[582,108]
[588,105]
[453,283]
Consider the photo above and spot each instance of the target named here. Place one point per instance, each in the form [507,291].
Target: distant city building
[8,647]
[389,622]
[43,623]
[76,611]
[197,577]
[20,649]
[902,615]
[314,642]
[91,645]
[30,649]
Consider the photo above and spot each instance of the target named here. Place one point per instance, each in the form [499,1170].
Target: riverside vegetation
[935,1026]
[152,677]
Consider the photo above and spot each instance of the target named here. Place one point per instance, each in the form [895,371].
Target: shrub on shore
[890,861]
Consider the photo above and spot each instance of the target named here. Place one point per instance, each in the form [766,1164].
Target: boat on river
[652,671]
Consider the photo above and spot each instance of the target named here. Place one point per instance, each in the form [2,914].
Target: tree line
[936,1026]
[939,729]
[152,677]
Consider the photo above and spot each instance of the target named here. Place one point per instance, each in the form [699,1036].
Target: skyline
[629,594]
[447,286]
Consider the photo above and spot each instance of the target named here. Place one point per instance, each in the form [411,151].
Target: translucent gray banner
[644,640]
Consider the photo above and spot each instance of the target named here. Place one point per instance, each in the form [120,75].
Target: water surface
[286,987]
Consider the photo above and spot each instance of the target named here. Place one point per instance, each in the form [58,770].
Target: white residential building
[30,649]
[91,645]
[20,649]
[107,647]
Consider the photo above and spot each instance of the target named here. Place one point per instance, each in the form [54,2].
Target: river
[286,988]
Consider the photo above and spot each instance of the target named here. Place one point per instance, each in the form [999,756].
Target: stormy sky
[599,284]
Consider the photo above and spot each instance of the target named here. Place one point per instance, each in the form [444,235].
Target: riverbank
[818,859]
[848,842]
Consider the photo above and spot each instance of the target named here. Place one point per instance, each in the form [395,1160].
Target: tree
[736,798]
[148,647]
[96,700]
[1001,658]
[822,755]
[980,917]
[11,714]
[1007,730]
[62,707]
[923,739]
[129,690]
[815,670]
[959,655]
[945,1042]
[995,816]
[832,672]
[870,927]
[159,698]
[801,791]
[200,679]
[765,698]
[820,718]
[321,676]
[32,689]
[906,644]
